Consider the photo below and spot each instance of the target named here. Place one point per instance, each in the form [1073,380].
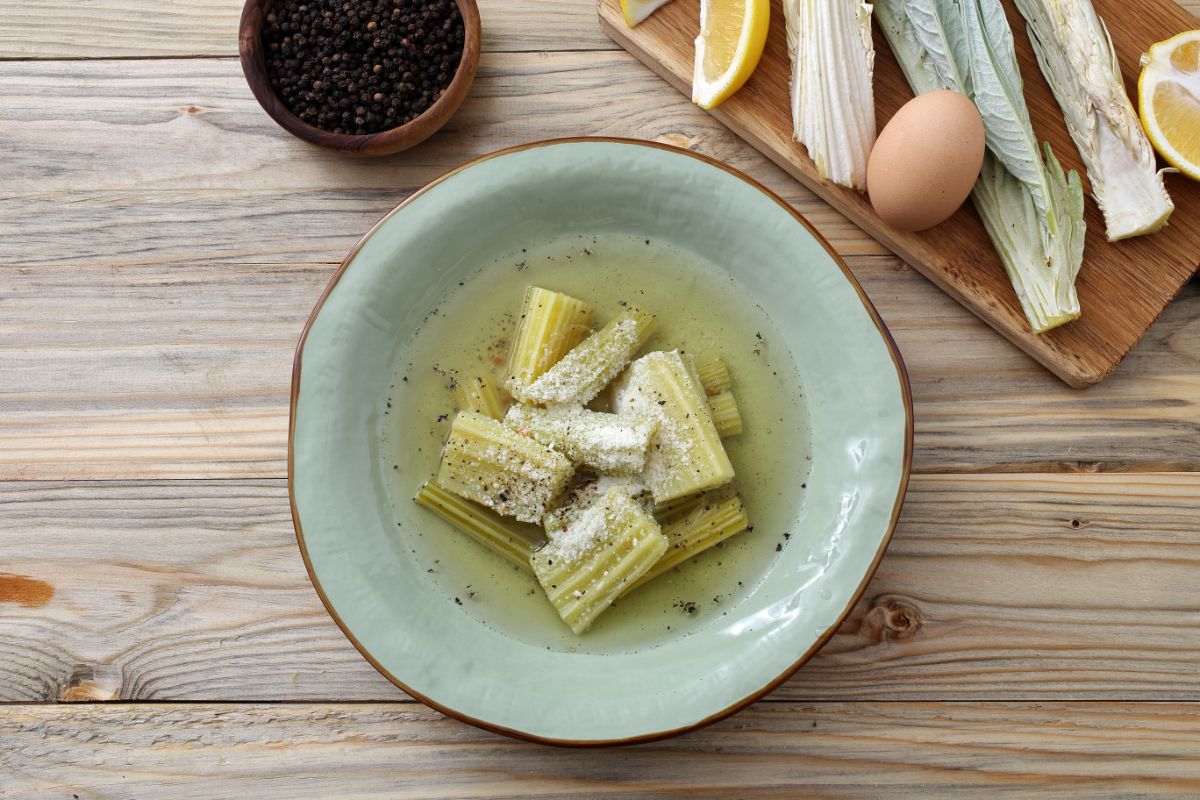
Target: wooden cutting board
[1123,286]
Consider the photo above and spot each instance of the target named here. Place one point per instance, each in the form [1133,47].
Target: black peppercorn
[361,67]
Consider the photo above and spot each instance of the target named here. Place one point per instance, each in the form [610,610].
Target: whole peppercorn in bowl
[364,77]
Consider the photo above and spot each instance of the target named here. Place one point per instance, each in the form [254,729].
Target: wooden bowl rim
[391,140]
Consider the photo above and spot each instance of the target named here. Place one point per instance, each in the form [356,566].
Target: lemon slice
[731,40]
[1169,101]
[636,11]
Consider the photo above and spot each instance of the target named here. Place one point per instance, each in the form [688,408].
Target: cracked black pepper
[361,67]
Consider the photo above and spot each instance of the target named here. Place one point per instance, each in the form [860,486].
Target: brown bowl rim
[901,490]
[392,140]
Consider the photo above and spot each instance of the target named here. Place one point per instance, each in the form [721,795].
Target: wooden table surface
[1034,629]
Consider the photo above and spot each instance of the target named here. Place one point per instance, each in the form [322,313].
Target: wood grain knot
[28,592]
[896,617]
[1091,467]
[90,685]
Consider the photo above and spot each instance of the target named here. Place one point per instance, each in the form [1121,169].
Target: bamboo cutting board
[1123,286]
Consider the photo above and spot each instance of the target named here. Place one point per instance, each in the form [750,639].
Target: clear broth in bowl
[701,310]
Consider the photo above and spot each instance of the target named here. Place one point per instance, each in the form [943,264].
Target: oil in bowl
[701,310]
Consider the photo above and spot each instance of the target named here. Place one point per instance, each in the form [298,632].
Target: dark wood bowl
[392,140]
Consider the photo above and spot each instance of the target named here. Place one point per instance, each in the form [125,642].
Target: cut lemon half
[1169,101]
[636,11]
[731,40]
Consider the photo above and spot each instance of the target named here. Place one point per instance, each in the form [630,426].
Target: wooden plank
[161,227]
[1020,587]
[183,371]
[773,750]
[183,590]
[145,294]
[146,28]
[180,152]
[1026,587]
[1123,287]
[140,372]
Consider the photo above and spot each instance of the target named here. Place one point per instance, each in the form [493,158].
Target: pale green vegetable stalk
[1076,55]
[1032,211]
[833,107]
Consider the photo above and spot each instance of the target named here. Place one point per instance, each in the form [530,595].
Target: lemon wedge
[731,40]
[1169,101]
[636,11]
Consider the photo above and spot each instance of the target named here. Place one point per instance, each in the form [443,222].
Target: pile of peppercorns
[361,66]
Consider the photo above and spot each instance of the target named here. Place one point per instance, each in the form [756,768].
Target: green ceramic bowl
[856,393]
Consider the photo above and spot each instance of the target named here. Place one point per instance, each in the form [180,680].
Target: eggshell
[925,160]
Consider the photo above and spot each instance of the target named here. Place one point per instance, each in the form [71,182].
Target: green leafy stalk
[1010,217]
[935,26]
[998,92]
[1032,211]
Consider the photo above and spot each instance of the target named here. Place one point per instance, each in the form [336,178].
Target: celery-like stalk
[590,561]
[1076,55]
[494,465]
[551,324]
[512,541]
[593,363]
[705,525]
[610,443]
[713,374]
[480,393]
[726,416]
[686,455]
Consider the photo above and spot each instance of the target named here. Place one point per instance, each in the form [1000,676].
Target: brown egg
[925,160]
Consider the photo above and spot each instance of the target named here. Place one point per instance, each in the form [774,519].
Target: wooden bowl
[382,143]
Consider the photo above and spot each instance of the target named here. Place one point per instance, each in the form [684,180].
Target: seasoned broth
[700,310]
